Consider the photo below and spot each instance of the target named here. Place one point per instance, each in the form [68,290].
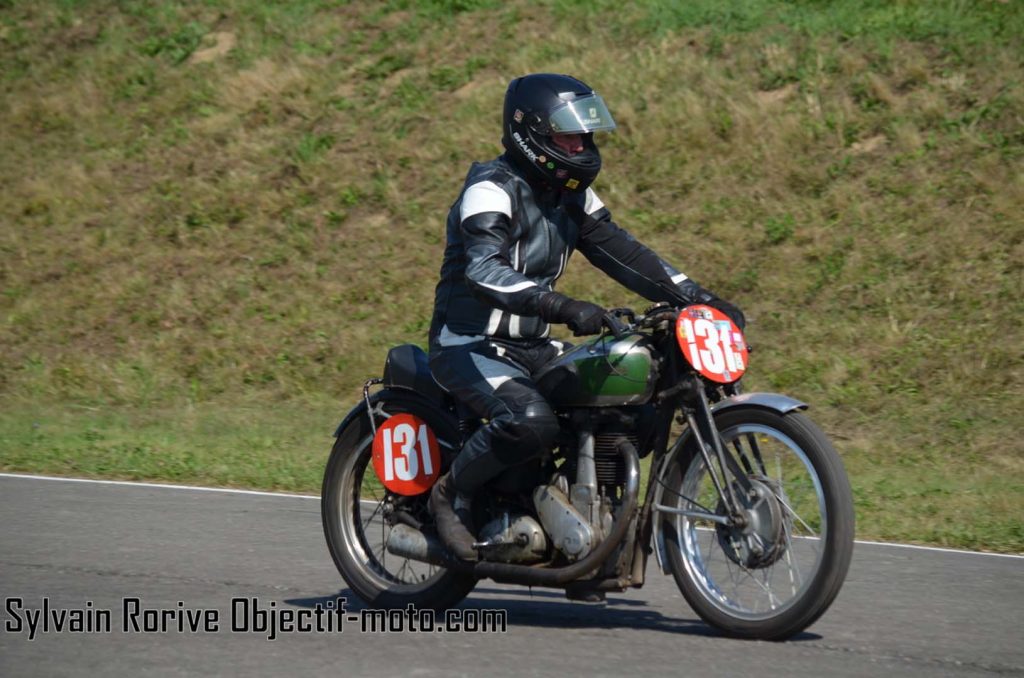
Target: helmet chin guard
[542,104]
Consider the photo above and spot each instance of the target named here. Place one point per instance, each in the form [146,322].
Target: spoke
[732,574]
[373,515]
[792,566]
[383,541]
[767,589]
[766,576]
[378,554]
[684,497]
[729,567]
[402,570]
[795,515]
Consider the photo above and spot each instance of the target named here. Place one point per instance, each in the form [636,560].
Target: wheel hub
[758,537]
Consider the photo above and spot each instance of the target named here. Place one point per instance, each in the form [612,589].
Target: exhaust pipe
[408,542]
[411,543]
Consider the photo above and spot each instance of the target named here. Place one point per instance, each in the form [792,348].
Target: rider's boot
[452,517]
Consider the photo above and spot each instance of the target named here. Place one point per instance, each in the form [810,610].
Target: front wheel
[358,514]
[774,572]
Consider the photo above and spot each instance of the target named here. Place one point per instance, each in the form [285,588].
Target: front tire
[775,577]
[356,511]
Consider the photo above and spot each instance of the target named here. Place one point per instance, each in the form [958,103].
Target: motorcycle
[746,503]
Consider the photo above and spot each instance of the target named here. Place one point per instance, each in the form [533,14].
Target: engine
[513,537]
[579,516]
[572,533]
[574,511]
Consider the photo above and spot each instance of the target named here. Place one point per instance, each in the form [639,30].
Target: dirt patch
[869,145]
[223,42]
[467,90]
[775,96]
[265,79]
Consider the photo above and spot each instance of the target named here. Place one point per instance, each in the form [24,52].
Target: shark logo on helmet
[527,151]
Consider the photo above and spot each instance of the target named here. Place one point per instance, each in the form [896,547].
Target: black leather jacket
[507,245]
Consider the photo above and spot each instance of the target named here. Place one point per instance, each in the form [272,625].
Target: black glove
[695,294]
[582,317]
[731,310]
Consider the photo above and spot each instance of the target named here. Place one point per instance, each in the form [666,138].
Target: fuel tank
[603,371]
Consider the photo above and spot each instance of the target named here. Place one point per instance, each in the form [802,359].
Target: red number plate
[406,456]
[712,343]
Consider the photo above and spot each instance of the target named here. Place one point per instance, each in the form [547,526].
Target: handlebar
[619,321]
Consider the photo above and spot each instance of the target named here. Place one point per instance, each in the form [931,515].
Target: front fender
[770,401]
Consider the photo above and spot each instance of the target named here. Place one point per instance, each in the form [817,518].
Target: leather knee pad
[508,440]
[542,423]
[526,433]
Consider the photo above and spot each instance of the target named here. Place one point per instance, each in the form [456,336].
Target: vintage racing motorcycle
[746,503]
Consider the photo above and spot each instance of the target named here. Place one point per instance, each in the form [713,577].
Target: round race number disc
[712,343]
[406,456]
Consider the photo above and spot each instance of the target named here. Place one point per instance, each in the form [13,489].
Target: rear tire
[807,549]
[353,507]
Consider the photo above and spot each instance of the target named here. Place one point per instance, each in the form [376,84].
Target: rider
[517,221]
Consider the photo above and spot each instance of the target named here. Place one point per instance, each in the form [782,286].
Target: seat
[407,367]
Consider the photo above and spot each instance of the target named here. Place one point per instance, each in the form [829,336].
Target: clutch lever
[612,322]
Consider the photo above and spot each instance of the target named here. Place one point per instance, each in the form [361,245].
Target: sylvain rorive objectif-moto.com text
[243,615]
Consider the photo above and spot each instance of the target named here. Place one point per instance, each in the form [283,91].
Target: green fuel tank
[603,371]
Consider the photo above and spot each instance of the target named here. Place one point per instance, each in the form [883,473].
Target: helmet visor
[586,114]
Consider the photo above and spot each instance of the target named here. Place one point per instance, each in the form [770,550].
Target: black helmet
[542,104]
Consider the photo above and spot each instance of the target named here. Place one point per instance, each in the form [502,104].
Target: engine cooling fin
[608,462]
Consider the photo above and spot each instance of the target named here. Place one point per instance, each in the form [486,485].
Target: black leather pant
[493,379]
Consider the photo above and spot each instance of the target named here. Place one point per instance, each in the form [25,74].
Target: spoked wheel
[774,571]
[358,515]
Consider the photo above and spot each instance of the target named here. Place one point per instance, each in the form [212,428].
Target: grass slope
[217,216]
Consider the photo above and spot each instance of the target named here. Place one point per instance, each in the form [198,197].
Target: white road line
[937,548]
[195,488]
[168,486]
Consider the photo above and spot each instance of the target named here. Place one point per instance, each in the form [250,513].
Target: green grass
[191,232]
[238,446]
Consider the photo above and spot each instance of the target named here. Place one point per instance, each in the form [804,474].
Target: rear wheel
[358,514]
[779,569]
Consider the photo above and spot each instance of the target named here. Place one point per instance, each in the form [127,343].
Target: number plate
[712,343]
[406,456]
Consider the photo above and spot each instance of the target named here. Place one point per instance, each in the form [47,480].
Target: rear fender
[356,412]
[769,401]
[406,369]
[390,401]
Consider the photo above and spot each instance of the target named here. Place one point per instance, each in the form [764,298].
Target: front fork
[702,423]
[734,493]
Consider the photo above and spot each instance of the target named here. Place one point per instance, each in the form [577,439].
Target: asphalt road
[903,611]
